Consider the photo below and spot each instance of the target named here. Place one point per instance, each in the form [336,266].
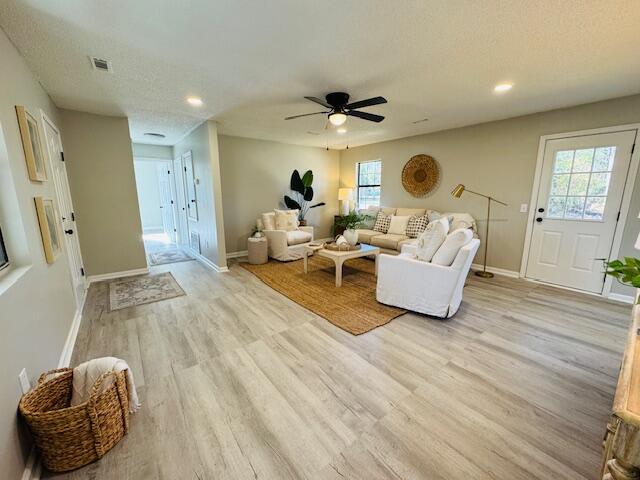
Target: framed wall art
[49,228]
[33,152]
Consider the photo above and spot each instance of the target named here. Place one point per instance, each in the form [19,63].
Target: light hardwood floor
[238,382]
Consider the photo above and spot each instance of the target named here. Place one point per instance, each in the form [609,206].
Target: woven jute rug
[132,291]
[352,307]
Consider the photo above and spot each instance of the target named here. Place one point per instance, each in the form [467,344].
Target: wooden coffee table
[339,257]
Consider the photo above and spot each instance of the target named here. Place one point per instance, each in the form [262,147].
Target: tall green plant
[303,193]
[626,271]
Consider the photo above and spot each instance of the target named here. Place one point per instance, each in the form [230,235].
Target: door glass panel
[580,183]
[583,160]
[560,184]
[594,208]
[564,160]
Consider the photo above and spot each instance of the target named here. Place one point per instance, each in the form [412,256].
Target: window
[580,183]
[368,174]
[4,258]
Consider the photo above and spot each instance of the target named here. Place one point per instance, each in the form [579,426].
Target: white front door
[577,209]
[166,203]
[65,205]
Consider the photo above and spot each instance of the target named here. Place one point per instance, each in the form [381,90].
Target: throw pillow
[416,225]
[398,225]
[269,221]
[447,252]
[370,220]
[431,239]
[286,220]
[382,223]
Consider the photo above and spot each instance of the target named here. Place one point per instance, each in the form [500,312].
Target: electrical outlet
[524,208]
[23,378]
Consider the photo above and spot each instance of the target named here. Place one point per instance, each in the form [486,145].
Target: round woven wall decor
[420,175]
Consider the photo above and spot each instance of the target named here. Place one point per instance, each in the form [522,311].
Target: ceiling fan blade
[366,116]
[319,101]
[366,103]
[304,115]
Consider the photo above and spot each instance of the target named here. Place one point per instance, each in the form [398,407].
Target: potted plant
[303,193]
[626,271]
[350,222]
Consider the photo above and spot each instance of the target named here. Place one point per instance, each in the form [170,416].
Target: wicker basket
[71,437]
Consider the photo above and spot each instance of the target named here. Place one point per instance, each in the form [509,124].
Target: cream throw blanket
[86,374]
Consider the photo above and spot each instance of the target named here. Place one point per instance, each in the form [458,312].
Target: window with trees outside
[368,188]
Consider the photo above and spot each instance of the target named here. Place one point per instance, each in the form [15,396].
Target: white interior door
[180,202]
[166,203]
[190,186]
[65,205]
[578,206]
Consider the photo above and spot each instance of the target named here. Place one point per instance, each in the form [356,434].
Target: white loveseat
[424,287]
[286,245]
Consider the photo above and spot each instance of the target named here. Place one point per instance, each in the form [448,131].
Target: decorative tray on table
[341,248]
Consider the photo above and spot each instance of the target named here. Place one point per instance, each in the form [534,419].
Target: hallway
[161,250]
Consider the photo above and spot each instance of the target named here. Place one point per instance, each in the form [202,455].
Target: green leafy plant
[352,220]
[626,271]
[303,193]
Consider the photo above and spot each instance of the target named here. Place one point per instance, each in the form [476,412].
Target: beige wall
[255,176]
[203,144]
[496,158]
[36,300]
[100,168]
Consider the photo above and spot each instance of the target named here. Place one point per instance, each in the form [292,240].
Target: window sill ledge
[11,276]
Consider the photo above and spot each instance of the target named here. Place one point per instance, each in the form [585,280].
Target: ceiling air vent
[154,134]
[101,64]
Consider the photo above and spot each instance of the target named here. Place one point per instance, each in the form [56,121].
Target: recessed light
[342,131]
[195,101]
[503,87]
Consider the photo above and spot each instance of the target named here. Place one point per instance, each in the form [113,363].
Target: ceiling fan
[339,108]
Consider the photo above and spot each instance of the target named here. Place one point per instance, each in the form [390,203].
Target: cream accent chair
[286,246]
[424,287]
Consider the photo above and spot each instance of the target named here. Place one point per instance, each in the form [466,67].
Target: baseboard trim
[621,298]
[33,467]
[242,253]
[208,263]
[111,276]
[497,271]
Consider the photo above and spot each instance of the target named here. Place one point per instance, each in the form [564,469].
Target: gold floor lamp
[457,192]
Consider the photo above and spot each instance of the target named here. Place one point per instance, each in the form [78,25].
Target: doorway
[579,205]
[53,144]
[158,199]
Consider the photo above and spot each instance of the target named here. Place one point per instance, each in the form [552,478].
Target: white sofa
[390,243]
[288,245]
[424,287]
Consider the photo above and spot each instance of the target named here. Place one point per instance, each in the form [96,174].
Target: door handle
[539,219]
[69,232]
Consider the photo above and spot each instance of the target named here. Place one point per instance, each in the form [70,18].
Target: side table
[257,250]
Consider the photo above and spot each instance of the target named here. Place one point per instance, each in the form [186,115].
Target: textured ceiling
[253,61]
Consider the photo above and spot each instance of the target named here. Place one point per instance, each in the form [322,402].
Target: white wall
[148,194]
[203,144]
[36,300]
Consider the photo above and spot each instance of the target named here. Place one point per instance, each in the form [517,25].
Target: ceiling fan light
[337,118]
